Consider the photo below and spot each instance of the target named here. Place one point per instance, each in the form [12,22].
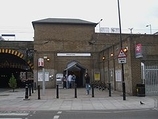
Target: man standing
[73,80]
[87,80]
[69,79]
[64,82]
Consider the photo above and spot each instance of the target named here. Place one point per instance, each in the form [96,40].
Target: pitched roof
[63,21]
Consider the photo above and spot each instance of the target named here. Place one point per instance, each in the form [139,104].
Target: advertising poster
[96,76]
[138,51]
[118,75]
[40,76]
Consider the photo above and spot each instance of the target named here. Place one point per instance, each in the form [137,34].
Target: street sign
[121,57]
[121,54]
[122,60]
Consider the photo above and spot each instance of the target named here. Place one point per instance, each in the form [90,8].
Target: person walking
[69,79]
[73,80]
[87,80]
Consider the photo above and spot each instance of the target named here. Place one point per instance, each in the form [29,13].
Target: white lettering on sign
[122,60]
[74,54]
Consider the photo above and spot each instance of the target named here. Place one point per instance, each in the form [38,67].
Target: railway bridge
[16,57]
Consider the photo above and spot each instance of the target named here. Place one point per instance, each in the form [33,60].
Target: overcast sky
[17,15]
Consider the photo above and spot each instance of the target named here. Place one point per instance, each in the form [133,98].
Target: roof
[63,21]
[74,66]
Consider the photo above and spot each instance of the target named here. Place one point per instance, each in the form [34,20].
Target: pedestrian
[69,79]
[87,80]
[64,81]
[73,80]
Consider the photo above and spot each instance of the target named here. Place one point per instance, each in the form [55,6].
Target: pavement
[16,101]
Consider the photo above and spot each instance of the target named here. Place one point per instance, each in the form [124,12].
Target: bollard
[39,92]
[32,87]
[109,89]
[75,90]
[29,89]
[92,90]
[57,91]
[26,92]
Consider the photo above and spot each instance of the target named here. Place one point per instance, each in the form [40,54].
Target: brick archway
[17,54]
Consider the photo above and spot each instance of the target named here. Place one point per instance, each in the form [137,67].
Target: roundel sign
[40,62]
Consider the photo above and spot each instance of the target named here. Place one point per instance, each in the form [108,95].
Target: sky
[17,15]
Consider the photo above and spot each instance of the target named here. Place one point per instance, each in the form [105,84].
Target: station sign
[40,62]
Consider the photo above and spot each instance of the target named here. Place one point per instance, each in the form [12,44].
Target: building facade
[72,46]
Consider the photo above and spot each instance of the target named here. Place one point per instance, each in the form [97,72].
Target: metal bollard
[26,92]
[29,89]
[32,87]
[75,90]
[92,90]
[57,91]
[39,92]
[109,89]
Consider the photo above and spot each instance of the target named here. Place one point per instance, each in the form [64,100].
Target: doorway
[79,71]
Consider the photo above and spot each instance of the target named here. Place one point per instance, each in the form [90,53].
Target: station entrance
[78,70]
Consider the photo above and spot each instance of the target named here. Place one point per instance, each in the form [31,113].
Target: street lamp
[122,66]
[99,24]
[149,25]
[109,83]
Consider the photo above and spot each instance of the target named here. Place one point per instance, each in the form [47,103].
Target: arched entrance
[77,69]
[12,62]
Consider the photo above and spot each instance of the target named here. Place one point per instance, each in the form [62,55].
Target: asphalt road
[94,114]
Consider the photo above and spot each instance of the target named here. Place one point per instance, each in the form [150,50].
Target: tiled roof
[63,21]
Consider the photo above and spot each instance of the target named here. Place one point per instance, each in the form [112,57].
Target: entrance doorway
[78,70]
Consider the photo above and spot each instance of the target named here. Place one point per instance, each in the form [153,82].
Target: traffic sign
[121,54]
[122,60]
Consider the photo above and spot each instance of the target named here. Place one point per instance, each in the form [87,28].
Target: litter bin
[140,88]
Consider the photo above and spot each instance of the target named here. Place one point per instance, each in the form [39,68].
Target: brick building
[71,45]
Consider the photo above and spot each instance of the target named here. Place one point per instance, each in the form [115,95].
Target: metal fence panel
[151,78]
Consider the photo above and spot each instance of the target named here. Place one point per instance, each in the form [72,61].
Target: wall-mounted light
[46,58]
[111,54]
[125,49]
[103,58]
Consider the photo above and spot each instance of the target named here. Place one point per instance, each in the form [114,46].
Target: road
[93,114]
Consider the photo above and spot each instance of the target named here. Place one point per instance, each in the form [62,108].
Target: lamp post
[103,58]
[99,24]
[149,25]
[122,66]
[109,83]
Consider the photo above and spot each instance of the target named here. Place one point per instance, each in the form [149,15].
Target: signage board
[121,54]
[122,57]
[122,60]
[40,62]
